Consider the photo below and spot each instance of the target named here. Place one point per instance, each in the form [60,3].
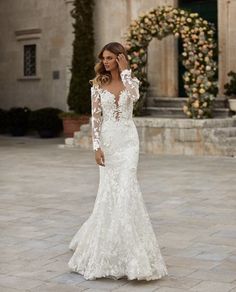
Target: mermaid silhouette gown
[117,240]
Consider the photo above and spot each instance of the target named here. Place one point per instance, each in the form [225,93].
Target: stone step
[231,141]
[222,112]
[164,112]
[84,128]
[173,112]
[225,132]
[178,102]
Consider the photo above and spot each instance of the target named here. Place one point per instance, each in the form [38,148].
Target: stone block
[188,135]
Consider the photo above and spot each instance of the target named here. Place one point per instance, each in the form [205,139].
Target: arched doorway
[197,57]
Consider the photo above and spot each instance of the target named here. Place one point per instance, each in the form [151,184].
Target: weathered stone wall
[177,136]
[48,25]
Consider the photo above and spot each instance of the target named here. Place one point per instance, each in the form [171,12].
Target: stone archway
[197,57]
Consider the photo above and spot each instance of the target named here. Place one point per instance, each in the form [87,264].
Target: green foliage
[71,115]
[46,119]
[230,87]
[83,57]
[18,119]
[3,121]
[18,116]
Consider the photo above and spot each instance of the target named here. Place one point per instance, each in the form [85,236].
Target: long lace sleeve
[96,110]
[131,84]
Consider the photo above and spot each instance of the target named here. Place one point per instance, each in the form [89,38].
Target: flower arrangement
[197,57]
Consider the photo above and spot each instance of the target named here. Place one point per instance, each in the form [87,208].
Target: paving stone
[6,289]
[104,284]
[96,290]
[212,286]
[52,287]
[213,275]
[166,289]
[18,282]
[68,278]
[139,286]
[191,262]
[176,271]
[179,282]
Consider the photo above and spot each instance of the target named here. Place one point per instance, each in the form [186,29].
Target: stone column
[110,22]
[163,72]
[227,40]
[69,40]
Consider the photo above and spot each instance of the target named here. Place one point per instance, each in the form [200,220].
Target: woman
[117,240]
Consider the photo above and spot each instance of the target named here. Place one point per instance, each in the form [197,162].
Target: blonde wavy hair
[103,76]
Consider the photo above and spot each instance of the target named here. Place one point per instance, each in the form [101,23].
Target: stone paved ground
[47,192]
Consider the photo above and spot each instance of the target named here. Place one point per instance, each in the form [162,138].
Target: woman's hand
[122,62]
[99,157]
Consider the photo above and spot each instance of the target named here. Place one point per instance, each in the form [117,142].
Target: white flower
[186,28]
[185,108]
[196,103]
[189,113]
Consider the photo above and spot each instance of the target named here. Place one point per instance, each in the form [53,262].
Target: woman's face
[109,60]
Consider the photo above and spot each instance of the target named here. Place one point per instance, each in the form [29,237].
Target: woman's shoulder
[95,89]
[95,86]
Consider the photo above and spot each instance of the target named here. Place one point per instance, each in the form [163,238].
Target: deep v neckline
[116,98]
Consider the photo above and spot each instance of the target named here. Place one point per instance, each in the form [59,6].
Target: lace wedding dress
[117,240]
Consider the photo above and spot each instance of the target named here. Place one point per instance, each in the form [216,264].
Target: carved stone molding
[25,34]
[69,1]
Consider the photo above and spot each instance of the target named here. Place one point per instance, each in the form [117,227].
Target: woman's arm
[131,84]
[96,110]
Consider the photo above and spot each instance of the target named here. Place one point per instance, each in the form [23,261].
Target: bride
[117,240]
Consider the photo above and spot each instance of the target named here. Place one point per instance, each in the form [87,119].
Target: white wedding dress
[117,240]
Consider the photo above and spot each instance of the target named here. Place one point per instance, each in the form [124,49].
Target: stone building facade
[43,30]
